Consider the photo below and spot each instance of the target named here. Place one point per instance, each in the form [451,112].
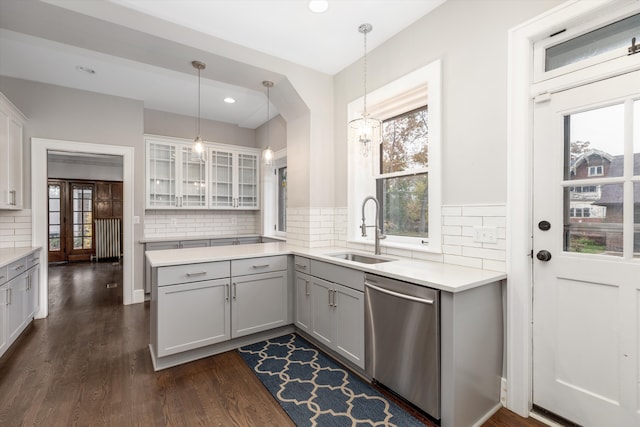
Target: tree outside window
[403,183]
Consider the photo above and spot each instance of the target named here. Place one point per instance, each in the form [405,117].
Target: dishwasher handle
[397,294]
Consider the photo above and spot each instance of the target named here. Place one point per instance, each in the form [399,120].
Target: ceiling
[51,41]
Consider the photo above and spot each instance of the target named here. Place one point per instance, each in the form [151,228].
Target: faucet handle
[380,235]
[363,227]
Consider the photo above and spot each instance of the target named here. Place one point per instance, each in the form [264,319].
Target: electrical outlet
[503,392]
[173,221]
[485,234]
[234,220]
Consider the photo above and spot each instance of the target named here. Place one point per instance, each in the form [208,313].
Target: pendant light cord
[365,74]
[198,101]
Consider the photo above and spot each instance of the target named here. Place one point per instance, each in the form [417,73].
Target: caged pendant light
[267,153]
[365,130]
[198,145]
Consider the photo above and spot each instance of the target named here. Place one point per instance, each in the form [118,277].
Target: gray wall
[277,137]
[470,37]
[54,112]
[70,168]
[168,124]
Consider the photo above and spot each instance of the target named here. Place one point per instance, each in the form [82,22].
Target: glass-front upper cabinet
[225,177]
[175,175]
[233,178]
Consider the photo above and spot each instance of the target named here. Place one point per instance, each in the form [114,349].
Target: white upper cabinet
[233,178]
[225,177]
[175,176]
[11,127]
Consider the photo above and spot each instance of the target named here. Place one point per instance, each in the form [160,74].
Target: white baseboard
[488,415]
[138,296]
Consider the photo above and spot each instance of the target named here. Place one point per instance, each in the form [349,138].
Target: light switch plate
[485,234]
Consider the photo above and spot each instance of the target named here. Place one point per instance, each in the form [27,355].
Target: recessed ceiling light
[318,6]
[229,100]
[85,69]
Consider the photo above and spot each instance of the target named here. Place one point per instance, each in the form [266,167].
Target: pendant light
[365,130]
[267,153]
[198,145]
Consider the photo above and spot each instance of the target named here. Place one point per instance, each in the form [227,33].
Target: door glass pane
[595,143]
[636,219]
[593,219]
[636,137]
[54,205]
[54,217]
[82,216]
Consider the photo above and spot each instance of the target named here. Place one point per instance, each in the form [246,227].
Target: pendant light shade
[198,145]
[267,153]
[365,130]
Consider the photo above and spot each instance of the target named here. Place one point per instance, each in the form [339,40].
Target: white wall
[470,37]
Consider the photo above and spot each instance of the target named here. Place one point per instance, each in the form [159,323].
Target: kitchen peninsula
[210,300]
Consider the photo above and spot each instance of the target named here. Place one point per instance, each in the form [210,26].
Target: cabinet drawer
[302,264]
[194,244]
[16,268]
[4,274]
[192,272]
[159,246]
[241,267]
[33,259]
[338,274]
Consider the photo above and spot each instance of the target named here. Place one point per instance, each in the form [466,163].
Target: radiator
[107,233]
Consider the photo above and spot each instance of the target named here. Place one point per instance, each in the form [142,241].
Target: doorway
[586,287]
[77,209]
[39,179]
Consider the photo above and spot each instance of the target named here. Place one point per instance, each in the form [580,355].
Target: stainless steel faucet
[364,226]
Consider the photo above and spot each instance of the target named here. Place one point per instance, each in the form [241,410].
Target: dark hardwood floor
[88,364]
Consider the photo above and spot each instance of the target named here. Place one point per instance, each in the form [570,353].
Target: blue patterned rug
[315,391]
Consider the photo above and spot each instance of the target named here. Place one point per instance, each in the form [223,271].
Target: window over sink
[403,172]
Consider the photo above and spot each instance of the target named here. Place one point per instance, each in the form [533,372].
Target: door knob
[543,255]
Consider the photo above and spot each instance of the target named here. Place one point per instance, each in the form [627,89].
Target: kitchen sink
[364,259]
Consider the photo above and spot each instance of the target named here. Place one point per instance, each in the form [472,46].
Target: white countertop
[8,255]
[446,277]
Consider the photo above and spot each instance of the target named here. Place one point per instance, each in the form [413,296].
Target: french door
[586,258]
[70,220]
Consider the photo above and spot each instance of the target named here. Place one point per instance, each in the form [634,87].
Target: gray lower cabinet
[330,307]
[201,304]
[303,302]
[192,315]
[259,300]
[19,298]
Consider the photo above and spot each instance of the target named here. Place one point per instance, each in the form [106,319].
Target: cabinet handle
[227,291]
[306,288]
[302,266]
[235,290]
[19,267]
[329,292]
[261,265]
[9,296]
[28,283]
[197,273]
[335,304]
[13,197]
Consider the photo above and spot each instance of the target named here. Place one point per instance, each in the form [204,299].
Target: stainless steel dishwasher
[402,340]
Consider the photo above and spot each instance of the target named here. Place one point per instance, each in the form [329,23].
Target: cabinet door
[5,197]
[15,306]
[193,183]
[323,320]
[192,315]
[303,301]
[247,181]
[259,302]
[349,311]
[4,341]
[161,175]
[32,296]
[221,179]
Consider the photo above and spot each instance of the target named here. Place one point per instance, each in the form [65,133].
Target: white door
[586,297]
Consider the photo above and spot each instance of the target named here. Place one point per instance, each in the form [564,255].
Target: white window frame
[416,89]
[597,170]
[270,195]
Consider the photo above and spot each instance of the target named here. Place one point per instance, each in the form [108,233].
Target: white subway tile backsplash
[462,220]
[210,223]
[15,228]
[485,210]
[488,264]
[463,261]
